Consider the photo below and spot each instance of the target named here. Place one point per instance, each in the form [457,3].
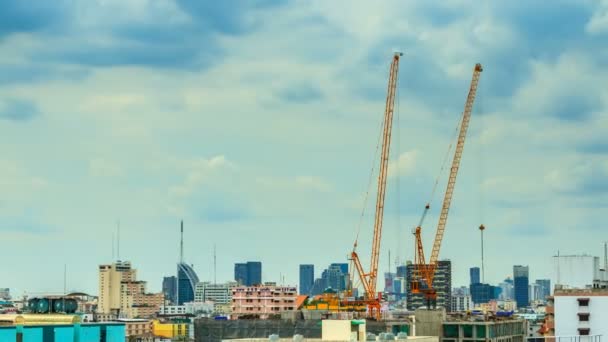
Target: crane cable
[369,182]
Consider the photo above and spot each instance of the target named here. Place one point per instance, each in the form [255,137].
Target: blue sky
[257,121]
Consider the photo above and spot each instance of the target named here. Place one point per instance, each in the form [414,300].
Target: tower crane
[369,279]
[421,268]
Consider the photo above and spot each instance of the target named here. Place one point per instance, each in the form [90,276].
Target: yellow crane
[369,279]
[421,268]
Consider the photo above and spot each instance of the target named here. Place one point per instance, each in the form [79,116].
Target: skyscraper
[520,286]
[186,277]
[545,288]
[248,274]
[169,288]
[336,277]
[307,279]
[474,272]
[482,293]
[442,284]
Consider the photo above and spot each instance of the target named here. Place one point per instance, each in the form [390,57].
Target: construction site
[369,308]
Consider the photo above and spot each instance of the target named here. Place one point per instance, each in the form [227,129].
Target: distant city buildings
[262,301]
[248,274]
[506,292]
[389,278]
[335,277]
[442,283]
[169,288]
[5,293]
[121,295]
[307,279]
[544,288]
[520,285]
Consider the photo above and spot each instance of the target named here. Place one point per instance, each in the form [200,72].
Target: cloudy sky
[257,123]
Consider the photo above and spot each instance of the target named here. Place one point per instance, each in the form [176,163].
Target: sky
[257,123]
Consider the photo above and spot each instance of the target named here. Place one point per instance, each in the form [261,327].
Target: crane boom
[447,199]
[369,280]
[386,144]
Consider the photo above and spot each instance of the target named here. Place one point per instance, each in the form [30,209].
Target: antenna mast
[214,265]
[118,239]
[181,243]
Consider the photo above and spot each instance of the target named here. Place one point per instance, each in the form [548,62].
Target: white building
[5,293]
[189,308]
[217,293]
[461,302]
[576,271]
[581,312]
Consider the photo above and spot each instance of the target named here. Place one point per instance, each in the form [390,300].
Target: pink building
[263,300]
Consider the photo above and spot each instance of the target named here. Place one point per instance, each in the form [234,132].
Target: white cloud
[404,164]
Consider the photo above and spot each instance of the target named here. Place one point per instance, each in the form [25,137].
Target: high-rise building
[442,283]
[545,288]
[122,295]
[520,286]
[169,288]
[248,274]
[482,293]
[506,287]
[402,271]
[389,278]
[186,277]
[307,279]
[474,273]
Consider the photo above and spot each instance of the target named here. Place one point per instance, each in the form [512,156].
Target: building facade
[576,271]
[482,293]
[216,293]
[520,285]
[262,301]
[186,283]
[506,287]
[248,274]
[503,330]
[442,284]
[307,279]
[461,302]
[580,312]
[474,273]
[545,288]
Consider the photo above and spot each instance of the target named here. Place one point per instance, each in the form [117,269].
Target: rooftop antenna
[481,229]
[118,239]
[181,243]
[606,256]
[214,265]
[113,242]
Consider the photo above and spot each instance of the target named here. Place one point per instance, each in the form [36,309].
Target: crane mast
[369,280]
[428,270]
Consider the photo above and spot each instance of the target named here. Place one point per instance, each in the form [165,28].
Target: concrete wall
[429,322]
[575,271]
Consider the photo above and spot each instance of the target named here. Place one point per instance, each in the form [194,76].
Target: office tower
[186,277]
[520,286]
[335,277]
[307,279]
[402,271]
[169,288]
[482,293]
[474,272]
[545,288]
[248,274]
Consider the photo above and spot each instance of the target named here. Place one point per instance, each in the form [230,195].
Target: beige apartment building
[263,301]
[121,295]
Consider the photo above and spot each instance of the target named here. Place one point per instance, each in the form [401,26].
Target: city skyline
[257,124]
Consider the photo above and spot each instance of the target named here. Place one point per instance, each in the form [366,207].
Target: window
[583,317]
[583,331]
[583,301]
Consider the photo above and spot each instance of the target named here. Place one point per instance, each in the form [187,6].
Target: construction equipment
[369,280]
[421,268]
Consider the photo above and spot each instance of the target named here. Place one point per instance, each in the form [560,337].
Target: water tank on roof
[71,305]
[43,306]
[32,304]
[58,305]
